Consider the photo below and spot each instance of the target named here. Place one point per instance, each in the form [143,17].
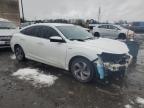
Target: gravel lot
[65,92]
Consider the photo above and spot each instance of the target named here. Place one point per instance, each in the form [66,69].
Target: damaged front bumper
[109,64]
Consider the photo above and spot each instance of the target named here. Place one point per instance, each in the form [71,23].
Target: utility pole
[22,11]
[99,14]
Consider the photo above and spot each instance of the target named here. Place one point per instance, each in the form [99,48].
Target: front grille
[114,58]
[5,38]
[6,45]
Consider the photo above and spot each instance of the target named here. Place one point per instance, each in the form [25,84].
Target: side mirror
[56,39]
[91,27]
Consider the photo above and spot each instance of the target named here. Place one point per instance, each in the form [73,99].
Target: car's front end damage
[108,64]
[109,57]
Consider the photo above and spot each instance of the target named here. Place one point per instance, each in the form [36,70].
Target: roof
[48,24]
[53,24]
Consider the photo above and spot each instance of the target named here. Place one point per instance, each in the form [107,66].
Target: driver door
[54,53]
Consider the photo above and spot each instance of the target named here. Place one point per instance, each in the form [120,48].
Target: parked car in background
[71,48]
[7,29]
[112,31]
[138,27]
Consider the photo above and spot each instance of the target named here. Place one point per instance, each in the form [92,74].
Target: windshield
[7,25]
[119,27]
[75,33]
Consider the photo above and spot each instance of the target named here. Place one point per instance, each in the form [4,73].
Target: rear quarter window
[31,31]
[40,31]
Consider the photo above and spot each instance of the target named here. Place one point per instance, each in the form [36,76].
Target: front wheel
[82,70]
[121,36]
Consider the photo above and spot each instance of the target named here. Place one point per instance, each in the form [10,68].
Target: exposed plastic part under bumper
[106,69]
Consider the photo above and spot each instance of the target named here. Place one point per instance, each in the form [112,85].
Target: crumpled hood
[105,45]
[8,32]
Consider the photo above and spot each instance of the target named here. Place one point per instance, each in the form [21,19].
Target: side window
[111,27]
[48,32]
[26,31]
[103,26]
[31,31]
[116,28]
[35,31]
[99,26]
[40,31]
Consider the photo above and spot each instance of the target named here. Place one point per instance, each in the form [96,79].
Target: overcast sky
[111,10]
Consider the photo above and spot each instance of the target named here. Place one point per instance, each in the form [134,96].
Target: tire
[19,53]
[82,70]
[96,34]
[122,36]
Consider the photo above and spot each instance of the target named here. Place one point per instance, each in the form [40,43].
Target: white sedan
[71,48]
[112,31]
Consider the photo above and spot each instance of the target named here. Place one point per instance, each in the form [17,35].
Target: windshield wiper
[90,38]
[77,39]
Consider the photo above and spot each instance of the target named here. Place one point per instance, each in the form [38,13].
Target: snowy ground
[13,57]
[34,85]
[37,78]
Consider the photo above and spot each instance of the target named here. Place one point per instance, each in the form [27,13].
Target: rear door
[32,42]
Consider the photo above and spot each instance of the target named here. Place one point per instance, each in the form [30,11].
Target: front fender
[90,57]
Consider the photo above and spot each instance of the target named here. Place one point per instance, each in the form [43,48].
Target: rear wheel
[82,70]
[19,53]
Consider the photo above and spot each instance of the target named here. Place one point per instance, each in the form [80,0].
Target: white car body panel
[60,54]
